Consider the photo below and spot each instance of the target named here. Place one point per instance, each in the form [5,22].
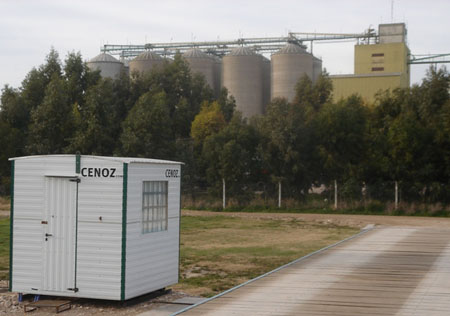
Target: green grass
[4,248]
[219,252]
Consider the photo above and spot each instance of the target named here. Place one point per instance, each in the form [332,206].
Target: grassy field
[220,252]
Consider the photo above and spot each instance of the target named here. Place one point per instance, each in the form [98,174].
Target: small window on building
[154,206]
[378,55]
[377,68]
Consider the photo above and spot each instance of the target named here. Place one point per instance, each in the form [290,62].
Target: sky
[30,28]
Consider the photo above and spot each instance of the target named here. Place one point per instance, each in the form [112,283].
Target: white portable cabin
[94,227]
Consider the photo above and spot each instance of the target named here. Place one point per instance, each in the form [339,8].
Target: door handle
[48,235]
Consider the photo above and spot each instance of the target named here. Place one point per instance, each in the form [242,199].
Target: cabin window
[154,206]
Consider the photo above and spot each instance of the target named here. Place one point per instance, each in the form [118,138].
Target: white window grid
[154,206]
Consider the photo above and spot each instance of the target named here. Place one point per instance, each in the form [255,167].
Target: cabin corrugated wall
[29,211]
[152,259]
[100,231]
[99,227]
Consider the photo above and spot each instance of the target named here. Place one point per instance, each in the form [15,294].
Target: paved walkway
[386,271]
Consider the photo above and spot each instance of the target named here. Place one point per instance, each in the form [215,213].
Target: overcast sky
[29,28]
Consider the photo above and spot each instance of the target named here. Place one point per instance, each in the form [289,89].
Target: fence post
[396,194]
[223,194]
[279,194]
[335,195]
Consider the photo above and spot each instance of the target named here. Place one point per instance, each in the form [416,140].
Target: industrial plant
[257,70]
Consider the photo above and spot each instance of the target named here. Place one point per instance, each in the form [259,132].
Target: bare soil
[9,305]
[359,221]
[4,207]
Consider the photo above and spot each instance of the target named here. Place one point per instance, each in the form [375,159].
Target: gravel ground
[9,305]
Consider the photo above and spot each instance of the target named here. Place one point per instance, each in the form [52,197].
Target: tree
[209,121]
[312,96]
[285,145]
[417,147]
[52,67]
[52,121]
[341,131]
[79,77]
[34,87]
[97,130]
[147,130]
[10,143]
[184,93]
[227,104]
[13,109]
[231,154]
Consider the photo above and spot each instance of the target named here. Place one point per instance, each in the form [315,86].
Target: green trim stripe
[124,230]
[77,163]
[76,242]
[11,228]
[179,228]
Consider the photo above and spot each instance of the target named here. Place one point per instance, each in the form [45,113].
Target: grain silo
[289,64]
[317,68]
[217,75]
[145,62]
[243,77]
[266,83]
[109,66]
[126,66]
[200,62]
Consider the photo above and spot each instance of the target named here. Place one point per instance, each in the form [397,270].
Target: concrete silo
[289,64]
[266,83]
[145,62]
[317,68]
[242,75]
[108,65]
[200,62]
[217,75]
[126,66]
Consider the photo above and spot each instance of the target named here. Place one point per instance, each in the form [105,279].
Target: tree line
[170,113]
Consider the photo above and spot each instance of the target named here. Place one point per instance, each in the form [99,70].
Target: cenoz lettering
[171,173]
[98,172]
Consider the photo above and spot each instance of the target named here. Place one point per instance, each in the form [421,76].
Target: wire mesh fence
[383,197]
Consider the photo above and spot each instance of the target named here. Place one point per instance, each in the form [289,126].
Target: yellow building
[378,67]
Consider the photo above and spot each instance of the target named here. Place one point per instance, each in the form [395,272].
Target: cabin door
[59,234]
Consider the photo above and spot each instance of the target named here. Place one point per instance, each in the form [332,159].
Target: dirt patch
[359,221]
[4,206]
[9,305]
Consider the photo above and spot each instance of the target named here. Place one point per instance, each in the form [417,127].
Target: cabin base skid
[58,305]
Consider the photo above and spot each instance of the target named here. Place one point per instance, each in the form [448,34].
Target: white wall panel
[152,258]
[29,211]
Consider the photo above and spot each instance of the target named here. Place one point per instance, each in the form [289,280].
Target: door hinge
[75,180]
[75,289]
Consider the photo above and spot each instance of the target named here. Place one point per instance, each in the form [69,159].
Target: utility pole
[335,195]
[279,194]
[396,194]
[223,194]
